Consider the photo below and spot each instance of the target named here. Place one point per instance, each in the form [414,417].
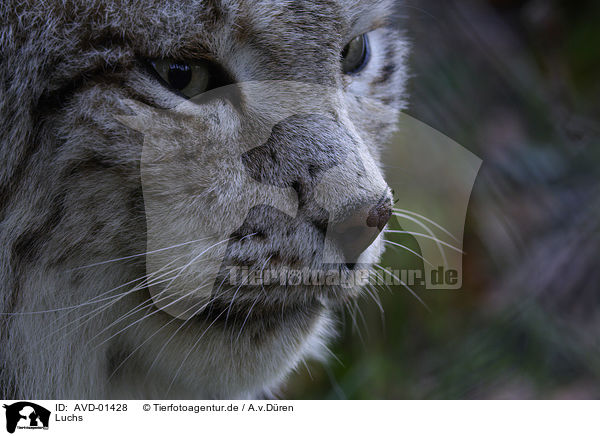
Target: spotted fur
[71,192]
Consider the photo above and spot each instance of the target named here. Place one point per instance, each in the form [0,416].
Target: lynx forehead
[208,78]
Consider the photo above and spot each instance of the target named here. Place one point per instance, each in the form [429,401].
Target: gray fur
[70,189]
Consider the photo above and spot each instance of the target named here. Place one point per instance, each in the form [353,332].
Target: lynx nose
[360,228]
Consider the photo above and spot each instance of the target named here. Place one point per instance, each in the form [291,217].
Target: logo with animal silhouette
[26,415]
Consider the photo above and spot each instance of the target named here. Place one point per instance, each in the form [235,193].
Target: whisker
[307,369]
[374,297]
[430,221]
[60,309]
[262,284]
[405,286]
[337,359]
[377,300]
[247,316]
[364,322]
[104,307]
[422,235]
[383,282]
[138,255]
[155,360]
[147,303]
[96,299]
[395,244]
[158,331]
[190,352]
[352,312]
[143,318]
[196,258]
[140,286]
[95,312]
[162,292]
[152,301]
[429,232]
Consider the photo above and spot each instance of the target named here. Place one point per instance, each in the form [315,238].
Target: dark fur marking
[55,99]
[386,74]
[25,248]
[115,356]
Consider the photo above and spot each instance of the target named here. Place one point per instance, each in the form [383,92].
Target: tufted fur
[71,192]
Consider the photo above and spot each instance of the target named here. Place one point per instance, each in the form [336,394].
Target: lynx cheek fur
[71,192]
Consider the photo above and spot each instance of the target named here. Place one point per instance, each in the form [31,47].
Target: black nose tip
[360,228]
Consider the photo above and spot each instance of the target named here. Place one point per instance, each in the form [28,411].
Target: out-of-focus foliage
[518,84]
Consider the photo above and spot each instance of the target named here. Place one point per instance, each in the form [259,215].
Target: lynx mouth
[281,284]
[298,268]
[242,314]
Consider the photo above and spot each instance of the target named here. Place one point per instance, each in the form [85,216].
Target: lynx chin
[148,148]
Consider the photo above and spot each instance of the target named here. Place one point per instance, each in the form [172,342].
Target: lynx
[81,311]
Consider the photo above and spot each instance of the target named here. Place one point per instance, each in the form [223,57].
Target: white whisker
[247,316]
[158,331]
[404,285]
[190,352]
[424,218]
[429,232]
[395,244]
[95,312]
[155,360]
[133,256]
[155,298]
[422,235]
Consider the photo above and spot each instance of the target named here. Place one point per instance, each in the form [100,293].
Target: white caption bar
[300,417]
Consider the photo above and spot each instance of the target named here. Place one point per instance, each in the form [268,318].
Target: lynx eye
[355,55]
[187,78]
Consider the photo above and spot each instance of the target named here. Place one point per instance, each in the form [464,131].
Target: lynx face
[160,145]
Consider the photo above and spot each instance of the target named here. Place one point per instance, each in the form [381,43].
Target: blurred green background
[518,84]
